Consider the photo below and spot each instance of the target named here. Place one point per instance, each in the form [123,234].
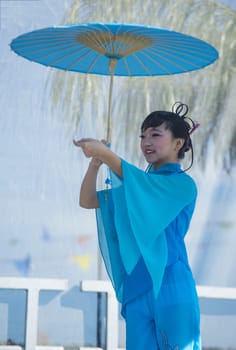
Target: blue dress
[142,222]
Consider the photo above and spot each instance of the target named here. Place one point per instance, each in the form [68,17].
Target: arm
[112,160]
[88,194]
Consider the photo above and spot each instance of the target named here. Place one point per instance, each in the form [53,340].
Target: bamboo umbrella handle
[112,65]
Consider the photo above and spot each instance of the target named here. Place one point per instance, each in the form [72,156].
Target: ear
[179,144]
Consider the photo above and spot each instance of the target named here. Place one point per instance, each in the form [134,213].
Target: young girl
[142,221]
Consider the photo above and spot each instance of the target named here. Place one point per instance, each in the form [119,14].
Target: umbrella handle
[112,65]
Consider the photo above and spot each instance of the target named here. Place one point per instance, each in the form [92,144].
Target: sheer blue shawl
[133,216]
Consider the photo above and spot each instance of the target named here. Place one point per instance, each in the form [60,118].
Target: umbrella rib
[79,58]
[167,60]
[157,52]
[184,60]
[121,44]
[44,40]
[118,43]
[62,57]
[181,58]
[38,46]
[191,54]
[142,64]
[175,48]
[159,64]
[97,39]
[178,45]
[76,61]
[112,36]
[52,63]
[59,49]
[127,66]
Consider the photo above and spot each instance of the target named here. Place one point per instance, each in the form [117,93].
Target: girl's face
[159,146]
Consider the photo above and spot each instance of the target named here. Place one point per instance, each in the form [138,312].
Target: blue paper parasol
[115,49]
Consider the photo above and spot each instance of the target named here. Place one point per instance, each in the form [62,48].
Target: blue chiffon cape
[133,216]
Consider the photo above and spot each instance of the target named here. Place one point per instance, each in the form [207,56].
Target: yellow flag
[84,261]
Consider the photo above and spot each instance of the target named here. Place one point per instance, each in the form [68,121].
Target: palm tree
[209,92]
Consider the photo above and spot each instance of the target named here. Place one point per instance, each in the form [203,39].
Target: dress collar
[167,168]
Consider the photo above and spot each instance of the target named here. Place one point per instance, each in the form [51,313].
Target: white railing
[34,285]
[216,292]
[112,315]
[37,347]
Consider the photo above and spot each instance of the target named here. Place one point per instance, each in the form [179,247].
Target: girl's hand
[98,149]
[92,149]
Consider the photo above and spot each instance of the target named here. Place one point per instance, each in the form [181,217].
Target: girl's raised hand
[99,151]
[91,147]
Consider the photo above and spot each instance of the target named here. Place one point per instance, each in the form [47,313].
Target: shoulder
[179,186]
[179,183]
[188,183]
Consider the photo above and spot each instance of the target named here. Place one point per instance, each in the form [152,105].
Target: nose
[146,141]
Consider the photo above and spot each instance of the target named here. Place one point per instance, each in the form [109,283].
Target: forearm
[88,192]
[111,160]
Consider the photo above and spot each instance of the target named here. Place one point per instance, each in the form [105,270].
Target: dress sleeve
[108,242]
[134,217]
[154,200]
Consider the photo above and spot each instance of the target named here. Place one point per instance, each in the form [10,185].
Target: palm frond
[210,93]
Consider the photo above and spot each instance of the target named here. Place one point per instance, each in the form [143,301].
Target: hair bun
[179,108]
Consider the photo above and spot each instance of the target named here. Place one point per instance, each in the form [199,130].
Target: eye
[155,134]
[141,136]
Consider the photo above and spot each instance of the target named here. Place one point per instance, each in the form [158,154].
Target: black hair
[178,123]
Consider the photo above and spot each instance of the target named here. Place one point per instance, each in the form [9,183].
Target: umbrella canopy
[115,49]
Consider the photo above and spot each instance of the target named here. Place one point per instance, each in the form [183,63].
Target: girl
[142,221]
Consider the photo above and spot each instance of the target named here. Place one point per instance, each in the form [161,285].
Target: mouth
[149,151]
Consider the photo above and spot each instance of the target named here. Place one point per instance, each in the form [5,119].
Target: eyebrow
[153,128]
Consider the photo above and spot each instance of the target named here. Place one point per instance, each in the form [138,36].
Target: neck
[161,163]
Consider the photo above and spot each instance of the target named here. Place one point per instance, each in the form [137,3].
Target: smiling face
[159,146]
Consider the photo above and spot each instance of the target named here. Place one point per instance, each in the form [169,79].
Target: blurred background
[43,231]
